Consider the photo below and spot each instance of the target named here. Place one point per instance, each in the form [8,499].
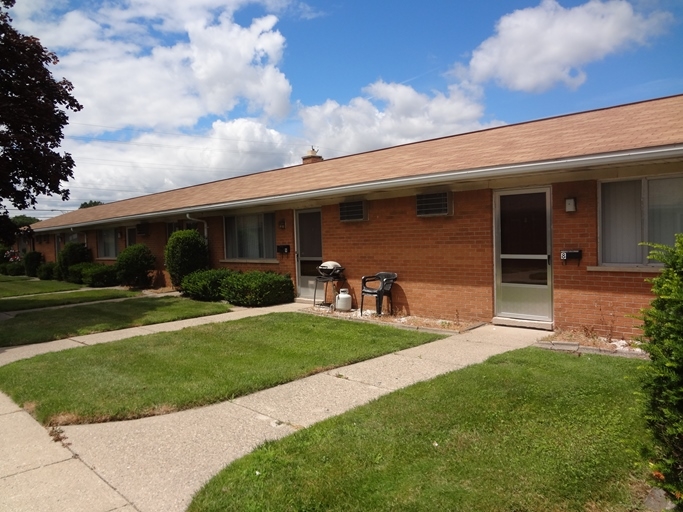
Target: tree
[90,204]
[32,117]
[23,220]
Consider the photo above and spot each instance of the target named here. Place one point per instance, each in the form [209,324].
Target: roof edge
[621,157]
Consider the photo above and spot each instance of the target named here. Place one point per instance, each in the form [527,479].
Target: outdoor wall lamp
[570,204]
[282,224]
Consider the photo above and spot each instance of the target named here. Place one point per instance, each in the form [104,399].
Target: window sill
[629,268]
[268,261]
[106,258]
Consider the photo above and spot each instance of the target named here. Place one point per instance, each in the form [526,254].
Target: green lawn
[62,299]
[55,324]
[529,430]
[21,285]
[196,366]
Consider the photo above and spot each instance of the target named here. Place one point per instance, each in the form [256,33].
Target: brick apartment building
[537,223]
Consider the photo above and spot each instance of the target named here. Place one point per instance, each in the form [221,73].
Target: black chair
[385,281]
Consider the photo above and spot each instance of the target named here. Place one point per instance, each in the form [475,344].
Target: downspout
[206,227]
[85,237]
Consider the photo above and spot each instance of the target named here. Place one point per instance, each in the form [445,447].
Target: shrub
[75,272]
[185,252]
[71,254]
[99,275]
[32,261]
[663,329]
[45,271]
[15,268]
[258,289]
[134,265]
[3,269]
[206,285]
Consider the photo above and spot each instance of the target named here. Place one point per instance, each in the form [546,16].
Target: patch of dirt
[417,322]
[589,339]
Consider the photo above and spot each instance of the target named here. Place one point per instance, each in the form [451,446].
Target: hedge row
[249,289]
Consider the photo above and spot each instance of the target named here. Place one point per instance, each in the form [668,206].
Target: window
[434,204]
[106,243]
[250,236]
[352,210]
[640,210]
[172,227]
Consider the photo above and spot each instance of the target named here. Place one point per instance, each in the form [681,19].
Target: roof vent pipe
[312,156]
[206,227]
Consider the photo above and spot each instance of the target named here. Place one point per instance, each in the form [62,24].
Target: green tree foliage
[185,252]
[32,117]
[24,220]
[90,204]
[134,265]
[663,328]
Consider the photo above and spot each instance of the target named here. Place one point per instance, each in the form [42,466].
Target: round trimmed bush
[45,271]
[134,266]
[99,275]
[15,268]
[206,285]
[185,252]
[32,261]
[75,272]
[71,254]
[258,289]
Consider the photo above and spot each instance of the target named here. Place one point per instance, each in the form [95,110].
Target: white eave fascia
[564,164]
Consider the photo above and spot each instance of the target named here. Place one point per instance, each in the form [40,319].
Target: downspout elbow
[206,226]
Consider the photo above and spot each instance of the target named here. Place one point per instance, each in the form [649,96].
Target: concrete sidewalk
[158,463]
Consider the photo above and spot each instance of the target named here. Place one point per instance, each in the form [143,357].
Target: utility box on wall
[283,249]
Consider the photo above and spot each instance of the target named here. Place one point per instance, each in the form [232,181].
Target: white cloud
[536,48]
[403,115]
[152,63]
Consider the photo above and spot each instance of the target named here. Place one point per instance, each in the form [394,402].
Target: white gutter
[206,225]
[419,180]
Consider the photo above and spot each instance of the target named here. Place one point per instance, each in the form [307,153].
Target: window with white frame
[635,211]
[250,236]
[106,243]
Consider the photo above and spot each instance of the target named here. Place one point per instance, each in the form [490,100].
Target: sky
[181,92]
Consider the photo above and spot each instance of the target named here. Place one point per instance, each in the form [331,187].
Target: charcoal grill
[330,272]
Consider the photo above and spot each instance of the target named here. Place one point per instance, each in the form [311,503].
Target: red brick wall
[601,302]
[444,264]
[45,244]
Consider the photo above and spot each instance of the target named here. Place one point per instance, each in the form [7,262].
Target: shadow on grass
[48,325]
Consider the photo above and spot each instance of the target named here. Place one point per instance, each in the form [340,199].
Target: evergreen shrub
[205,285]
[258,289]
[99,275]
[15,268]
[134,266]
[75,272]
[32,261]
[185,252]
[71,254]
[663,337]
[45,271]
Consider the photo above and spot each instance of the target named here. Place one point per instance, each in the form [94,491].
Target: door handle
[550,259]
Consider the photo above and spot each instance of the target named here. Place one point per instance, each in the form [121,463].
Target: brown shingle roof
[647,124]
